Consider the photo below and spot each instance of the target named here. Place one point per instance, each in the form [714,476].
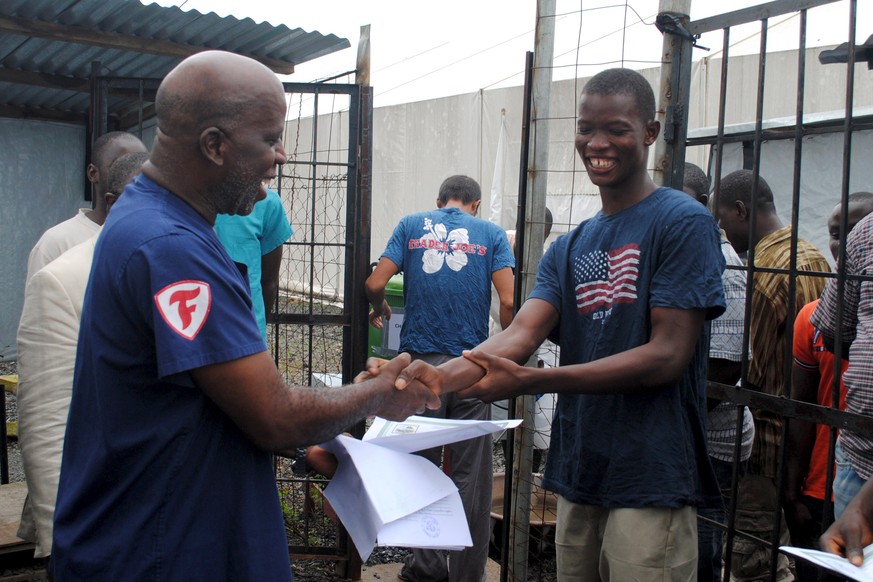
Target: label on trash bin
[391,332]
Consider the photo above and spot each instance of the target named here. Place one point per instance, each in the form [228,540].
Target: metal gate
[739,94]
[754,141]
[318,329]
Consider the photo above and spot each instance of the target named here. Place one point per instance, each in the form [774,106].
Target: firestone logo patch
[185,306]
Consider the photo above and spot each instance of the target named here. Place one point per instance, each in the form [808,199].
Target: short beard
[237,194]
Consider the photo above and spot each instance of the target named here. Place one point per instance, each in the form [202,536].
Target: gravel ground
[16,473]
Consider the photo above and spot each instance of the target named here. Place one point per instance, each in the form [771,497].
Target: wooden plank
[11,501]
[9,383]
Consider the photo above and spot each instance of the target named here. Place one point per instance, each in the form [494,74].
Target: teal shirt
[248,238]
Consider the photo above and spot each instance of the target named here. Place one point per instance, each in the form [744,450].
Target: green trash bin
[383,343]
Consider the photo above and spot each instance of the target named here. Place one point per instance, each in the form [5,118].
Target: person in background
[758,494]
[812,380]
[47,336]
[177,406]
[450,259]
[256,241]
[626,294]
[724,366]
[87,221]
[854,451]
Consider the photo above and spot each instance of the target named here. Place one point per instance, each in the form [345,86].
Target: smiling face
[254,148]
[858,209]
[612,139]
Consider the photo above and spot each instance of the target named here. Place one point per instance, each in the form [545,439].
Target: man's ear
[213,143]
[652,130]
[93,173]
[742,209]
[440,203]
[476,205]
[110,199]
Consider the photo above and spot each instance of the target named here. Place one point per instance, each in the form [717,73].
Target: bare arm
[658,363]
[270,279]
[528,329]
[277,417]
[375,285]
[504,283]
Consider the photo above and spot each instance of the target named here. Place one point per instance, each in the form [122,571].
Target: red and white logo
[185,306]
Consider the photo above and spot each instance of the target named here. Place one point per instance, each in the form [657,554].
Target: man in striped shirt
[771,315]
[854,450]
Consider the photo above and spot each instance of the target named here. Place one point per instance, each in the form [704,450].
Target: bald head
[213,88]
[106,149]
[221,117]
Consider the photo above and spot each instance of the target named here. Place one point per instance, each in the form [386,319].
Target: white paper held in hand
[836,563]
[386,496]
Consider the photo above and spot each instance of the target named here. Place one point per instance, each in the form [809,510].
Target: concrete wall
[42,182]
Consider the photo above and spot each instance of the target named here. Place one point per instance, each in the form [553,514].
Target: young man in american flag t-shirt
[625,294]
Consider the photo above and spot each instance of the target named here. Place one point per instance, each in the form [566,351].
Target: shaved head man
[177,406]
[219,134]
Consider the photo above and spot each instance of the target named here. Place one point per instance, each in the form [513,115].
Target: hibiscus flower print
[441,247]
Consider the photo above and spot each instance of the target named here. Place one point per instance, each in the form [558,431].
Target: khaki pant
[650,544]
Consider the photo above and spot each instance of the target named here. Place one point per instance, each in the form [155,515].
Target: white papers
[417,433]
[385,496]
[836,563]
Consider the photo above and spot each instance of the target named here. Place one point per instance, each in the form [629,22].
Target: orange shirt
[810,353]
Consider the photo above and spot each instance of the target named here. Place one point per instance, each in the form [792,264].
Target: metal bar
[722,104]
[752,13]
[788,354]
[520,238]
[313,200]
[804,411]
[315,319]
[320,88]
[842,275]
[327,164]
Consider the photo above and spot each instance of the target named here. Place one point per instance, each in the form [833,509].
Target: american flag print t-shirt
[604,278]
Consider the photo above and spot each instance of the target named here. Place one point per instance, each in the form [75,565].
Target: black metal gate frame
[353,318]
[675,135]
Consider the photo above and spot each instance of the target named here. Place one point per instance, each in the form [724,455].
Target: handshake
[401,387]
[417,385]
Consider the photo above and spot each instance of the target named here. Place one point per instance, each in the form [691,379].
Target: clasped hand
[410,398]
[502,377]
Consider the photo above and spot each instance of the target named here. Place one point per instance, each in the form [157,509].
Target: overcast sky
[427,50]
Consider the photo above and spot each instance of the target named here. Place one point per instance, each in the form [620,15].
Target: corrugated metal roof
[47,48]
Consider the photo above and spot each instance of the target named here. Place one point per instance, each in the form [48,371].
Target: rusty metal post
[362,67]
[673,96]
[516,563]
